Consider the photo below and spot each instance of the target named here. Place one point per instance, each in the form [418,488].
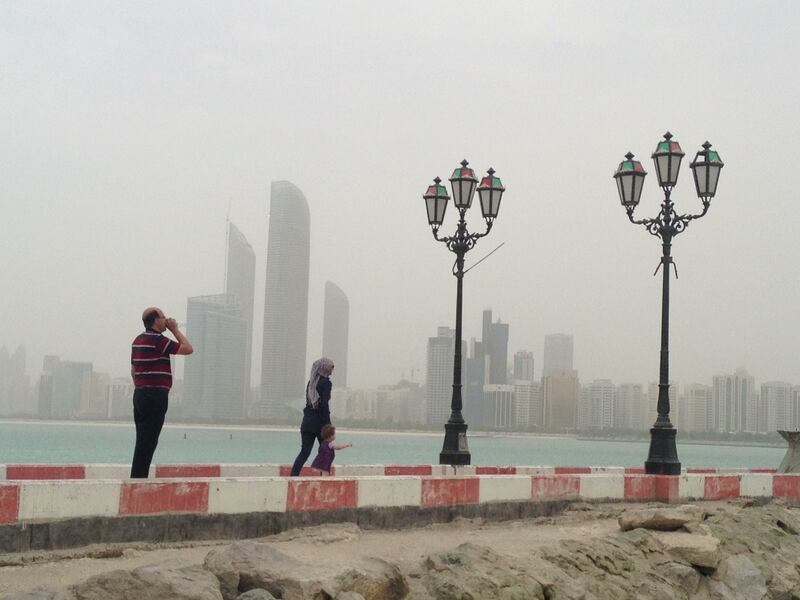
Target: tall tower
[283,358]
[240,282]
[439,376]
[335,330]
[214,380]
[558,350]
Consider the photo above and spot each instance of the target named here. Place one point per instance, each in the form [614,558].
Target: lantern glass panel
[463,192]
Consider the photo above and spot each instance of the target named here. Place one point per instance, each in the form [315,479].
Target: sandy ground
[328,545]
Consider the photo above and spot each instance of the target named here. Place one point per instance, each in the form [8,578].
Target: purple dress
[325,456]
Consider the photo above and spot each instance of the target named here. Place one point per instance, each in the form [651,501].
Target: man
[151,370]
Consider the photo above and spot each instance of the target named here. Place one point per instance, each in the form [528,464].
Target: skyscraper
[597,405]
[560,391]
[558,350]
[283,359]
[240,282]
[731,398]
[214,380]
[630,407]
[695,409]
[775,407]
[335,330]
[523,366]
[495,348]
[439,376]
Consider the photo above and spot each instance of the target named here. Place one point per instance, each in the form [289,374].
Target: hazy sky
[129,130]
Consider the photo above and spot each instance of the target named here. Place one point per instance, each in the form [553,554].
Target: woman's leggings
[307,440]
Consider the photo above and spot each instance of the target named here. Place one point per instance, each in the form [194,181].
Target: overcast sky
[129,131]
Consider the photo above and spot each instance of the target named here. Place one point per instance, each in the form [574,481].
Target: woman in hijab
[317,413]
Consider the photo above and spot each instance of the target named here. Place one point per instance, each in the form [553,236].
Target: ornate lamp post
[463,183]
[663,455]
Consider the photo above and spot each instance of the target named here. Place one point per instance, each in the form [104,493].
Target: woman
[317,412]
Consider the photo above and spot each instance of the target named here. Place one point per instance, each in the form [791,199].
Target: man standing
[151,370]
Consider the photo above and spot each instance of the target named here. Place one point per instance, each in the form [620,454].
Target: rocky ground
[706,551]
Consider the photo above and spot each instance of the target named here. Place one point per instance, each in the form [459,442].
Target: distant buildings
[283,360]
[439,375]
[695,408]
[240,282]
[71,389]
[558,352]
[499,400]
[335,330]
[14,383]
[523,366]
[560,393]
[597,405]
[495,349]
[215,379]
[733,398]
[630,407]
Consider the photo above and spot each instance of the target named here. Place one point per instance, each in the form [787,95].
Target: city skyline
[125,138]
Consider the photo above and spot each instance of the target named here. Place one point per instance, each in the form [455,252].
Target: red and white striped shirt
[150,360]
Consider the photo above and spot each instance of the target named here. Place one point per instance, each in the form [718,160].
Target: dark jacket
[315,418]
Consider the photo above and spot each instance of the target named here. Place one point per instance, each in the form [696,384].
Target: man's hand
[172,324]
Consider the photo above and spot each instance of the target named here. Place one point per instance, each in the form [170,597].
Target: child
[327,450]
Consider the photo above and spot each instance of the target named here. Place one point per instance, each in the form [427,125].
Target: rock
[151,582]
[660,519]
[474,572]
[349,596]
[256,594]
[742,577]
[698,550]
[248,565]
[683,576]
[39,594]
[374,579]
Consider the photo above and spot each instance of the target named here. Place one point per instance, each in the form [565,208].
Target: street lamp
[463,184]
[662,458]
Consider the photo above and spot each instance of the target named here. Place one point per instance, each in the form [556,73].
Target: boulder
[150,582]
[741,576]
[372,579]
[248,565]
[698,550]
[660,519]
[474,572]
[256,594]
[349,596]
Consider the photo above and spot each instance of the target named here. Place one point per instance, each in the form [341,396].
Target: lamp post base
[455,450]
[663,456]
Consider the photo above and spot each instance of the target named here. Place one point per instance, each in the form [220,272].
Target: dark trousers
[149,409]
[307,444]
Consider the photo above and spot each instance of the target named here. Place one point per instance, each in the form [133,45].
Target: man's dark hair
[150,318]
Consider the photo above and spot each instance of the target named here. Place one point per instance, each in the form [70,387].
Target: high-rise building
[795,408]
[335,330]
[45,393]
[499,400]
[283,359]
[495,348]
[527,404]
[732,397]
[558,351]
[439,376]
[597,405]
[14,383]
[240,282]
[523,366]
[630,407]
[775,407]
[560,393]
[214,380]
[474,378]
[695,408]
[72,389]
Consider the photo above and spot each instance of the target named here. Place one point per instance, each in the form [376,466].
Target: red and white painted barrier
[34,472]
[41,500]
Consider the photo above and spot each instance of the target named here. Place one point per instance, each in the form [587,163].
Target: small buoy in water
[184,436]
[231,437]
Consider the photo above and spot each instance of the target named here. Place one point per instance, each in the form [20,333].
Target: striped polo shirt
[150,359]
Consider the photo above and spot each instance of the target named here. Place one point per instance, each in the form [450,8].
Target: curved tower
[335,330]
[283,359]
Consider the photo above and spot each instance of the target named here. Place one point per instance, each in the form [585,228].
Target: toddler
[327,450]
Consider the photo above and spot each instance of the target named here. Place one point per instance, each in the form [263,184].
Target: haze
[131,131]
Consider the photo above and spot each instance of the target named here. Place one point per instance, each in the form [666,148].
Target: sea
[73,442]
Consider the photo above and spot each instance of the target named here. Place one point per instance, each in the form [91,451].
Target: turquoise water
[30,442]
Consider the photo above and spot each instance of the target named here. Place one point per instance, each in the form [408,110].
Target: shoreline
[389,432]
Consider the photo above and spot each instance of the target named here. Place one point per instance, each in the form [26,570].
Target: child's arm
[342,446]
